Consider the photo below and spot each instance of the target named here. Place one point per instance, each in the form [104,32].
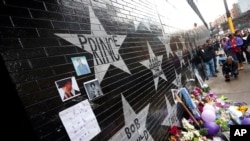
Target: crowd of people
[232,52]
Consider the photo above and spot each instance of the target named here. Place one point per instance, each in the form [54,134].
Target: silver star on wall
[135,125]
[154,64]
[177,80]
[166,41]
[172,118]
[103,47]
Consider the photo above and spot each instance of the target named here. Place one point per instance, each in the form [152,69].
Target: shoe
[214,75]
[235,76]
[207,78]
[227,78]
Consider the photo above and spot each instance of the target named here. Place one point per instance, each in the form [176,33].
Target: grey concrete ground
[236,90]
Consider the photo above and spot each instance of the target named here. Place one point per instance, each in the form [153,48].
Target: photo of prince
[67,88]
[81,65]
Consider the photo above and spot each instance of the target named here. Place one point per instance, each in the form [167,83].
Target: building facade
[136,52]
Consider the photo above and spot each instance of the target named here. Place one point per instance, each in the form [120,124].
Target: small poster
[67,88]
[81,65]
[93,89]
[80,122]
[201,82]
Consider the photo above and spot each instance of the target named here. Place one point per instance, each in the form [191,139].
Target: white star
[154,64]
[182,40]
[179,54]
[191,52]
[137,23]
[103,47]
[177,81]
[190,66]
[135,125]
[172,118]
[166,41]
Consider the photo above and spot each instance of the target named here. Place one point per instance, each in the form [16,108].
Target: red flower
[198,90]
[174,130]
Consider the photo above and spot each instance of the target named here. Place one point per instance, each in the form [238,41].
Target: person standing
[223,44]
[239,35]
[216,46]
[206,53]
[233,46]
[246,43]
[197,63]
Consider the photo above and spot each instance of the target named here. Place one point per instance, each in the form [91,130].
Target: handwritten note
[80,122]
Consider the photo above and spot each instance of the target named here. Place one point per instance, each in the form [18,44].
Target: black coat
[226,68]
[207,53]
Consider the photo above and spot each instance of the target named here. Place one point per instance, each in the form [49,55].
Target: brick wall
[134,56]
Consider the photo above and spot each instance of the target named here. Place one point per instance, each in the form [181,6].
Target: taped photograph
[67,88]
[93,89]
[81,65]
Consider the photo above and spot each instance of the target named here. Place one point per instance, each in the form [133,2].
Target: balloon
[208,115]
[245,121]
[212,128]
[208,107]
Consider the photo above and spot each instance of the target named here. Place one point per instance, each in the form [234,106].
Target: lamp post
[229,18]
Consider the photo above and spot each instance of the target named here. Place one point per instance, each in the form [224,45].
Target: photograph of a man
[67,88]
[93,89]
[81,65]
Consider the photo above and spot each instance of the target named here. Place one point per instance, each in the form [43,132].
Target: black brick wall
[34,56]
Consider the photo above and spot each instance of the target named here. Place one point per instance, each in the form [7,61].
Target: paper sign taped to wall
[80,122]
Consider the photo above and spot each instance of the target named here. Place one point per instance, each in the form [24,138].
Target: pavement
[237,90]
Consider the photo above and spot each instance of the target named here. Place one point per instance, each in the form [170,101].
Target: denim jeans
[234,55]
[210,67]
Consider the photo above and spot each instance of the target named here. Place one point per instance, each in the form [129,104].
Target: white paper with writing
[80,122]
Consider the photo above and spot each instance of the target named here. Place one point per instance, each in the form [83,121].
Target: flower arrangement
[241,106]
[174,133]
[205,88]
[188,134]
[192,134]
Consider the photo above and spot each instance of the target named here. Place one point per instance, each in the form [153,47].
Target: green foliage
[203,131]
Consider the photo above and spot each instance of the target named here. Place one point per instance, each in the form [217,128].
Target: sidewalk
[236,90]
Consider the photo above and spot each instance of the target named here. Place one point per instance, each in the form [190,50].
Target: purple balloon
[245,121]
[212,128]
[208,115]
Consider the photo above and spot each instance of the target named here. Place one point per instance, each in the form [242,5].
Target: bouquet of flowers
[189,133]
[192,134]
[174,133]
[205,88]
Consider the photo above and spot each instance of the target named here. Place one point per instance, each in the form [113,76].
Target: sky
[212,9]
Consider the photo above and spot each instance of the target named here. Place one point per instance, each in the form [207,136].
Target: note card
[80,122]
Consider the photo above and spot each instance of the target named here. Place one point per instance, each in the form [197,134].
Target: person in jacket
[206,53]
[230,68]
[246,45]
[234,49]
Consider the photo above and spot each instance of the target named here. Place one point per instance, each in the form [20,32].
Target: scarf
[234,47]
